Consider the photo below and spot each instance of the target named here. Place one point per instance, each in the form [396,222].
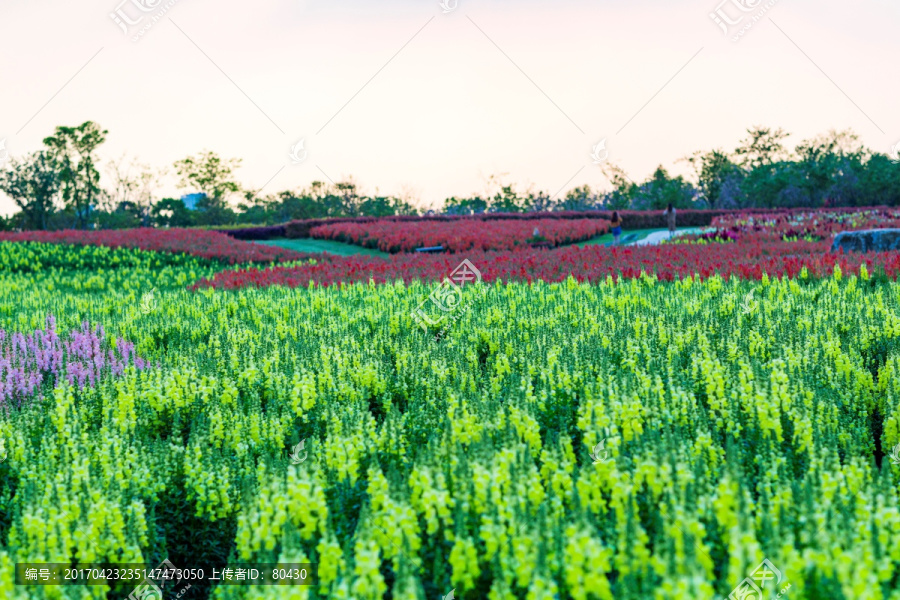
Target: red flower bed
[593,263]
[196,242]
[777,244]
[816,225]
[459,236]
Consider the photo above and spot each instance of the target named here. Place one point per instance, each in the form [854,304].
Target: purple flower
[29,362]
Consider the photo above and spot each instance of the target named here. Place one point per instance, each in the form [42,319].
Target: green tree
[132,189]
[830,166]
[715,170]
[777,185]
[661,190]
[290,205]
[344,200]
[624,189]
[538,202]
[33,184]
[211,175]
[763,146]
[507,200]
[384,206]
[71,150]
[879,181]
[171,212]
[578,198]
[761,156]
[465,206]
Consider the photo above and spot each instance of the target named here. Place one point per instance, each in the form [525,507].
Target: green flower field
[628,440]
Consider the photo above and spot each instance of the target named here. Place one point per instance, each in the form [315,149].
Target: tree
[715,171]
[71,151]
[211,175]
[578,198]
[831,165]
[384,206]
[880,181]
[538,201]
[132,189]
[33,184]
[624,190]
[256,209]
[171,212]
[507,200]
[762,147]
[317,201]
[844,144]
[290,205]
[343,199]
[731,195]
[775,185]
[661,190]
[465,206]
[339,199]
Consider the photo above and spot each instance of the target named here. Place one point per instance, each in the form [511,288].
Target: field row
[630,441]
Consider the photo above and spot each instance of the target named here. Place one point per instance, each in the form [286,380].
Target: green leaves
[71,151]
[466,464]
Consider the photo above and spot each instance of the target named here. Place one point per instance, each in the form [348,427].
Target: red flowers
[810,225]
[195,242]
[747,258]
[460,235]
[776,244]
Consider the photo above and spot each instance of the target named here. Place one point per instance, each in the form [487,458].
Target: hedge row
[256,233]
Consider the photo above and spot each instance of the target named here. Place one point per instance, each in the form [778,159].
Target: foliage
[320,200]
[827,171]
[37,257]
[72,153]
[661,190]
[625,440]
[761,147]
[717,176]
[465,206]
[213,176]
[210,245]
[133,186]
[171,212]
[33,184]
[830,170]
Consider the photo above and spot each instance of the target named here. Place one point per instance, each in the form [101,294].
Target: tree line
[59,186]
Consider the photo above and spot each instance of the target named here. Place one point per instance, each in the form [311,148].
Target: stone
[869,240]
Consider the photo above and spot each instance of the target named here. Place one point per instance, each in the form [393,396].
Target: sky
[429,100]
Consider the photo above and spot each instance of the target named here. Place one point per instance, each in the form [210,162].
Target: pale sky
[406,98]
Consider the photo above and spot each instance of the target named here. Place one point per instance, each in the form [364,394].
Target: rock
[870,240]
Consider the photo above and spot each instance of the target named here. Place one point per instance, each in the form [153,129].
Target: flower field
[746,246]
[201,243]
[815,225]
[459,236]
[750,258]
[623,437]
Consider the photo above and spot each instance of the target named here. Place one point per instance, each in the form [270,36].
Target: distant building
[190,200]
